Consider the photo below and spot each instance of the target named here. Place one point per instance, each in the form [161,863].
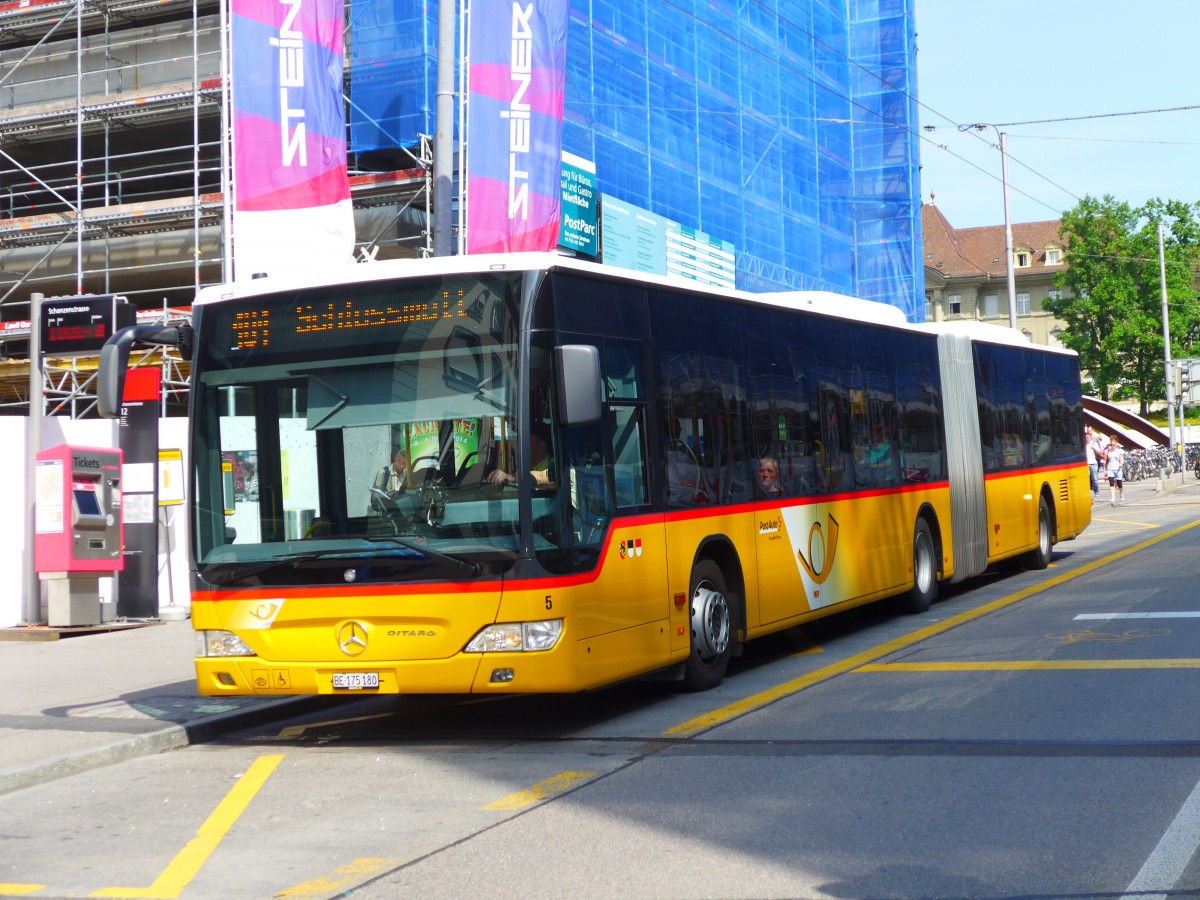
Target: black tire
[712,624]
[1039,557]
[925,570]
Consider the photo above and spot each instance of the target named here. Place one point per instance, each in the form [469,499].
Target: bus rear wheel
[1039,557]
[712,628]
[925,569]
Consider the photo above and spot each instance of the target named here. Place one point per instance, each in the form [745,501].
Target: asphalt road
[1034,735]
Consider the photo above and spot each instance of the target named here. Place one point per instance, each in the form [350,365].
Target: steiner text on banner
[518,54]
[291,190]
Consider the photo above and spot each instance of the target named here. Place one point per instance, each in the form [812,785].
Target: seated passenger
[768,477]
[392,479]
[542,467]
[685,478]
[881,457]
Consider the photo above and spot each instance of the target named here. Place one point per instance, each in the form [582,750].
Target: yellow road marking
[293,731]
[19,890]
[539,791]
[1125,524]
[1021,665]
[808,649]
[1089,636]
[343,877]
[756,701]
[183,868]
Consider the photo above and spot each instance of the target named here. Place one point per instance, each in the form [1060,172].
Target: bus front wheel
[712,628]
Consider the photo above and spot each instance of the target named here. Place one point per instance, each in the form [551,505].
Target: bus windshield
[359,432]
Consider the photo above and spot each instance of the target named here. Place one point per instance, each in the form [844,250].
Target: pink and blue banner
[518,56]
[291,188]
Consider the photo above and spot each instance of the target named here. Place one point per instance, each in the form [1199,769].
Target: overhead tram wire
[992,175]
[1101,140]
[1136,112]
[980,126]
[1059,119]
[1090,117]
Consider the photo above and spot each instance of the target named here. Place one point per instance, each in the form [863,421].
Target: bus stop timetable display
[72,325]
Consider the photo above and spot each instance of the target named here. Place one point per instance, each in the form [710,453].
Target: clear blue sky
[997,62]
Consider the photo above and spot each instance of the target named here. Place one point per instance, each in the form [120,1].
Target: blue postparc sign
[578,229]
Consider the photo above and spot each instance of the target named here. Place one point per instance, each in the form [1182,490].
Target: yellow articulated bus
[527,473]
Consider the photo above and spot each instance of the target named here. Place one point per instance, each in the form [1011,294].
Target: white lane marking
[1141,615]
[1170,858]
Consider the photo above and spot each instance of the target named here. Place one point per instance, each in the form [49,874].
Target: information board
[76,325]
[635,238]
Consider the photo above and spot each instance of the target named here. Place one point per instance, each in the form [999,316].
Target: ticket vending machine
[78,529]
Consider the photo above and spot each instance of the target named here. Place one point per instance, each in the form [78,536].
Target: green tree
[1114,311]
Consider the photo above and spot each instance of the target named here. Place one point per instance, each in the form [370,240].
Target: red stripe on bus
[1041,470]
[550,581]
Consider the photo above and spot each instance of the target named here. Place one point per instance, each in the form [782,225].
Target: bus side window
[625,391]
[591,500]
[629,455]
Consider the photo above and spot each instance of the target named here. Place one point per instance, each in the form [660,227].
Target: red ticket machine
[78,530]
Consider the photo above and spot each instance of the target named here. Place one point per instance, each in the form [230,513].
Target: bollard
[1165,484]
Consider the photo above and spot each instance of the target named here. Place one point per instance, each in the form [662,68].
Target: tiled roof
[979,252]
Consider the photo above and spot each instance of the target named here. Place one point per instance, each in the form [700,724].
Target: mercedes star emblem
[352,638]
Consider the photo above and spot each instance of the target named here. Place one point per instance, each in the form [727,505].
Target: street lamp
[1008,240]
[1162,275]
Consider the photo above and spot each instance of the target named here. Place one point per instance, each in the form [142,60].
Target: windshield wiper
[467,567]
[489,397]
[226,573]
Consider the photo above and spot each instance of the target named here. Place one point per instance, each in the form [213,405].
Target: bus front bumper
[465,673]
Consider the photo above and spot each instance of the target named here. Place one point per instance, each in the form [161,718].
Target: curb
[170,737]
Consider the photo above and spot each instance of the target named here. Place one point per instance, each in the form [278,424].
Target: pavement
[74,699]
[78,699]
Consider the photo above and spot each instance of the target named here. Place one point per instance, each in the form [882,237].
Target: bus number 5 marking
[549,602]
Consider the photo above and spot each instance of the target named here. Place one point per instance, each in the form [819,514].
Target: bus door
[1005,432]
[606,473]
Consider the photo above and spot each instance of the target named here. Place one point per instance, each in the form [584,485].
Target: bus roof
[824,302]
[991,334]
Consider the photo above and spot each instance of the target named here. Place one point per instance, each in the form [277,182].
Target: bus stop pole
[443,147]
[32,614]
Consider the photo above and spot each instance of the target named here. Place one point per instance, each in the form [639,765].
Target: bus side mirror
[114,360]
[579,393]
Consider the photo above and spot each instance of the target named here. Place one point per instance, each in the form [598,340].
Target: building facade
[966,276]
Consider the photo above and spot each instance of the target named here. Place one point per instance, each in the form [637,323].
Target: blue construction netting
[392,51]
[786,127]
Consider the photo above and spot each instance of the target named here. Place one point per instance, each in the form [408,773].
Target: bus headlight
[221,643]
[515,637]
